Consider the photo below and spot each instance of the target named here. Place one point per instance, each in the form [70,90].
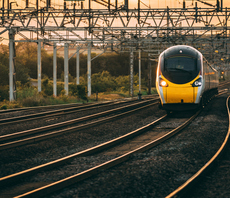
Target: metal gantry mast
[12,73]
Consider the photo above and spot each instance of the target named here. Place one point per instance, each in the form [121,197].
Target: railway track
[123,156]
[48,107]
[69,109]
[185,188]
[51,166]
[64,106]
[41,133]
[148,140]
[224,83]
[62,110]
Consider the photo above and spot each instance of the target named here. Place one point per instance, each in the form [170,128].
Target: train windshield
[180,69]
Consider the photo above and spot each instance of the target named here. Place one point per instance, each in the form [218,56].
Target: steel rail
[14,177]
[69,105]
[192,180]
[57,112]
[67,130]
[222,91]
[50,188]
[40,115]
[46,107]
[58,125]
[224,83]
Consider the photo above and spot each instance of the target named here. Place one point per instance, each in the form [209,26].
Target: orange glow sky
[176,3]
[132,3]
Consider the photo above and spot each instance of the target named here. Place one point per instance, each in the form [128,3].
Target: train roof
[181,49]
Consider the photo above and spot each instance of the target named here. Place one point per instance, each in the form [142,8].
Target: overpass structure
[115,27]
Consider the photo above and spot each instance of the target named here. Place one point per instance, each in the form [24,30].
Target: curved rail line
[67,105]
[58,112]
[68,181]
[90,151]
[95,170]
[34,139]
[180,191]
[223,84]
[62,106]
[41,107]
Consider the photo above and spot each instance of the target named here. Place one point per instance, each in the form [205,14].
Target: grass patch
[111,89]
[29,97]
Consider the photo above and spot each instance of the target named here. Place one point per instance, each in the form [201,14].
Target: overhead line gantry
[117,28]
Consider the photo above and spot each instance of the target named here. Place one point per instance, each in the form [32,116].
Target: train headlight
[163,83]
[197,83]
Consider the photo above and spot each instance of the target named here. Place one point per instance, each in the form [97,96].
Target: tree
[26,55]
[103,81]
[4,74]
[22,74]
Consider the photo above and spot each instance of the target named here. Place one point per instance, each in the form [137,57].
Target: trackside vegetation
[110,76]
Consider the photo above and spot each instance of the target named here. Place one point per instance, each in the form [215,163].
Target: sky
[20,4]
[175,3]
[132,3]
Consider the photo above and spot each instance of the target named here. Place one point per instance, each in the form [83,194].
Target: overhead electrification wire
[97,1]
[145,4]
[54,4]
[105,3]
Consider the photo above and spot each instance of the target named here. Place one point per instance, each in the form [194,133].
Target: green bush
[4,107]
[103,81]
[82,92]
[4,92]
[4,74]
[30,102]
[26,92]
[70,78]
[60,87]
[78,90]
[123,83]
[22,74]
[45,82]
[47,88]
[73,89]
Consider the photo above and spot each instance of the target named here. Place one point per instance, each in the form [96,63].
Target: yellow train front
[185,80]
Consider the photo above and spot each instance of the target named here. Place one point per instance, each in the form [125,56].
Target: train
[184,79]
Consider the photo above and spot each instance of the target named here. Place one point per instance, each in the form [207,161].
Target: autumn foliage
[110,72]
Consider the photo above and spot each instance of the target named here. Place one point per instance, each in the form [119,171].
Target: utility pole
[39,64]
[66,68]
[54,70]
[149,74]
[131,72]
[89,69]
[12,73]
[78,66]
[139,58]
[3,11]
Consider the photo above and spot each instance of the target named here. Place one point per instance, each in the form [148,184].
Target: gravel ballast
[154,173]
[18,159]
[159,171]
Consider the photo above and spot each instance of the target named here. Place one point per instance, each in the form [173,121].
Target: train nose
[180,94]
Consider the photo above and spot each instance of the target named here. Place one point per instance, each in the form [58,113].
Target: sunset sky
[58,4]
[132,3]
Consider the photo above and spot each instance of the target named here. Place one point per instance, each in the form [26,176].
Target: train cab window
[180,69]
[183,63]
